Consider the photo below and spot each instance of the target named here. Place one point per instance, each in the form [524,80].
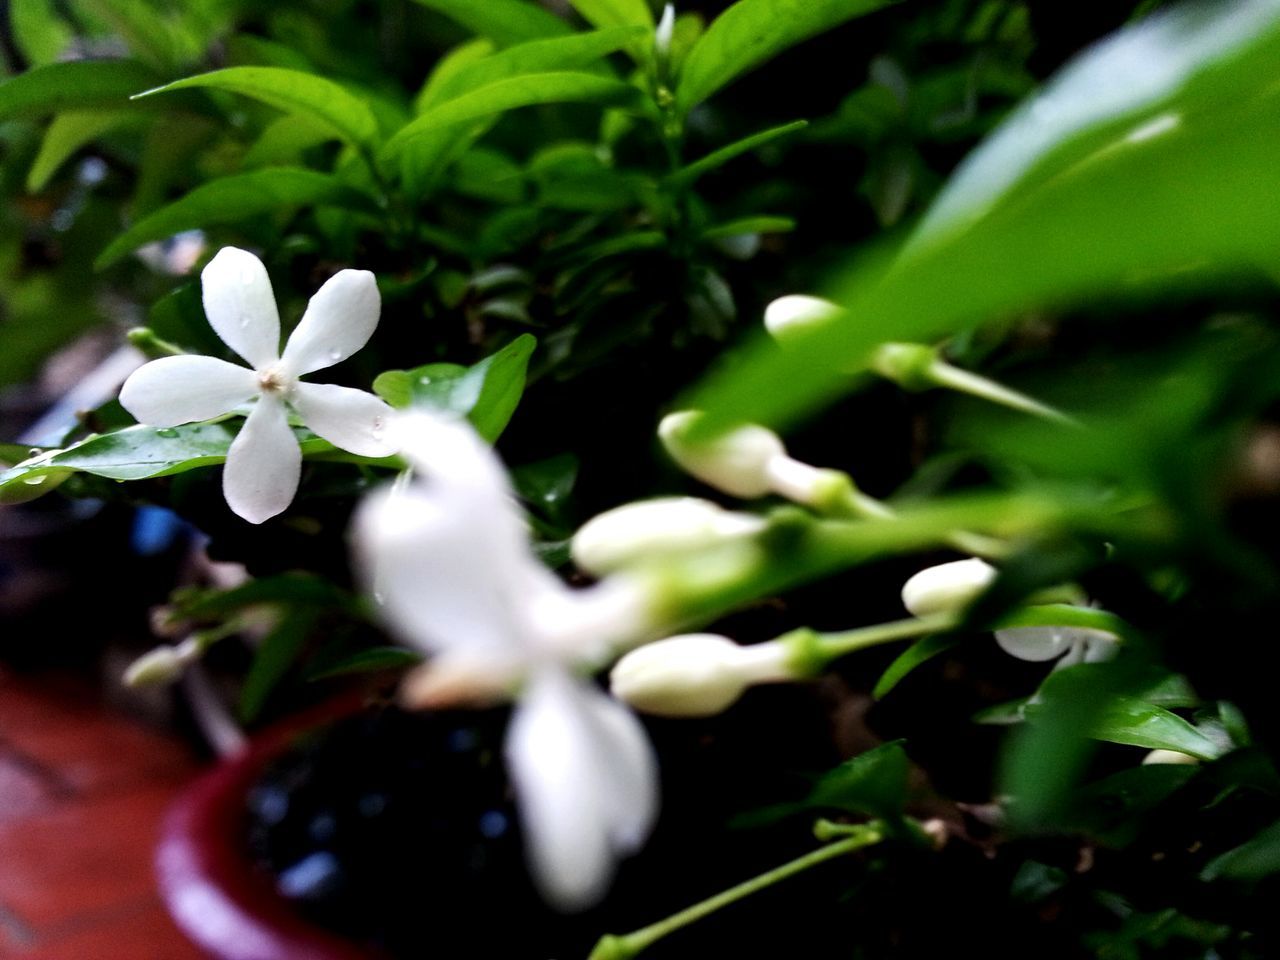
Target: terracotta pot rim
[215,894]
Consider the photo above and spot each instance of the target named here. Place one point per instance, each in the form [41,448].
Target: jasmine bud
[948,587]
[627,534]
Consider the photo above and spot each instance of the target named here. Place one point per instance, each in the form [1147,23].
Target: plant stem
[945,375]
[834,645]
[625,946]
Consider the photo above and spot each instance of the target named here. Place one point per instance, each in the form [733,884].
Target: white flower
[665,30]
[620,537]
[795,312]
[947,587]
[447,557]
[696,674]
[264,462]
[1073,644]
[749,461]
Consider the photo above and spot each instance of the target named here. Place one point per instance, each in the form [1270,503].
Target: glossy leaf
[1131,721]
[574,52]
[487,394]
[69,86]
[920,652]
[505,22]
[1250,862]
[873,783]
[293,91]
[751,32]
[237,199]
[1105,207]
[509,94]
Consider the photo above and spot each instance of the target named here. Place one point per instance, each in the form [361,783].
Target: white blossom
[264,462]
[947,587]
[446,556]
[696,674]
[624,535]
[1072,644]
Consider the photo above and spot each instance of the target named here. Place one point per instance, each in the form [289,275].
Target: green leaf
[1131,721]
[285,141]
[688,174]
[1080,195]
[1250,862]
[38,31]
[574,52]
[508,94]
[503,21]
[616,13]
[486,394]
[873,783]
[753,31]
[367,661]
[237,199]
[271,661]
[456,60]
[68,86]
[292,589]
[159,36]
[920,652]
[69,132]
[744,225]
[293,91]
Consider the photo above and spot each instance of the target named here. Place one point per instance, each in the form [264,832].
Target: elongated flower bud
[696,674]
[622,536]
[163,665]
[738,462]
[665,30]
[796,312]
[948,587]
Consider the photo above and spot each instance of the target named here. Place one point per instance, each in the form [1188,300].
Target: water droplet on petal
[335,355]
[244,321]
[168,433]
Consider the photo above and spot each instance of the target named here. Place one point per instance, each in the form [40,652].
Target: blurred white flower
[1072,644]
[624,535]
[947,587]
[264,461]
[696,674]
[665,30]
[446,556]
[796,312]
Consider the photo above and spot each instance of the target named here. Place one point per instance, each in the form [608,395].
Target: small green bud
[910,365]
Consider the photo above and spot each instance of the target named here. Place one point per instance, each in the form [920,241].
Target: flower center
[273,380]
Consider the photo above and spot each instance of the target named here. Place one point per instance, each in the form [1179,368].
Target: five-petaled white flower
[447,557]
[264,461]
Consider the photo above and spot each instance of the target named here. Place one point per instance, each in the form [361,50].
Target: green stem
[834,645]
[625,946]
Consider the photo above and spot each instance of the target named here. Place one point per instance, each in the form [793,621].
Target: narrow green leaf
[508,94]
[69,132]
[272,660]
[920,652]
[367,661]
[68,86]
[688,174]
[1250,862]
[487,394]
[1102,204]
[237,199]
[292,589]
[158,35]
[503,21]
[293,91]
[457,59]
[736,228]
[753,31]
[284,142]
[560,54]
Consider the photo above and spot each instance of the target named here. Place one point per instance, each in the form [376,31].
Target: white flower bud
[163,665]
[738,462]
[948,587]
[796,312]
[665,30]
[1168,756]
[695,675]
[622,536]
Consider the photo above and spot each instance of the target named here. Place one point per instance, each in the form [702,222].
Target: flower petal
[551,753]
[184,389]
[446,566]
[626,769]
[1035,643]
[347,418]
[263,464]
[339,321]
[241,306]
